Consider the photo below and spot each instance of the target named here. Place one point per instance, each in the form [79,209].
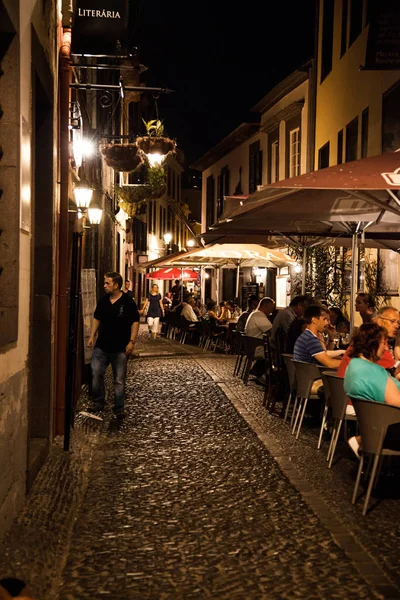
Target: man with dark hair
[309,346]
[116,319]
[252,303]
[297,325]
[287,315]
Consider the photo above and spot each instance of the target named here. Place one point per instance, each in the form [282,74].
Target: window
[154,226]
[139,235]
[274,161]
[364,132]
[343,40]
[356,9]
[323,156]
[210,200]
[388,272]
[351,140]
[340,147]
[255,166]
[294,144]
[223,189]
[327,38]
[369,10]
[150,216]
[391,119]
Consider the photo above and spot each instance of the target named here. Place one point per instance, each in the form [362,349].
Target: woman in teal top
[364,378]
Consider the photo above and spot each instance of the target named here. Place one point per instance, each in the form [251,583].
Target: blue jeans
[100,362]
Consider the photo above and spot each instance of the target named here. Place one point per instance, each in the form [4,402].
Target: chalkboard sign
[383,45]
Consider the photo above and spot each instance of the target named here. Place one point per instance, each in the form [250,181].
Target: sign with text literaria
[100,27]
[383,45]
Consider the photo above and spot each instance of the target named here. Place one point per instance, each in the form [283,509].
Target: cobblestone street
[199,493]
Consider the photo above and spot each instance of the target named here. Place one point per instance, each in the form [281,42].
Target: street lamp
[95,212]
[83,194]
[167,240]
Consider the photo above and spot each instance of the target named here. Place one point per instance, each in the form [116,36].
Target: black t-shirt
[294,331]
[115,322]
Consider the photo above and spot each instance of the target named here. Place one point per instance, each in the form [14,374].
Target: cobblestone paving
[184,502]
[180,501]
[379,532]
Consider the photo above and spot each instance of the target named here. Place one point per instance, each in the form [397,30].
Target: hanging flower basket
[132,194]
[132,208]
[151,145]
[122,157]
[157,192]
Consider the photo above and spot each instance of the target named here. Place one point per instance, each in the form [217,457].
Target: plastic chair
[272,375]
[238,345]
[338,401]
[186,328]
[327,394]
[306,374]
[250,344]
[205,334]
[291,373]
[373,419]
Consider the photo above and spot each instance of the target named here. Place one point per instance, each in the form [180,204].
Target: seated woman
[338,320]
[212,317]
[367,380]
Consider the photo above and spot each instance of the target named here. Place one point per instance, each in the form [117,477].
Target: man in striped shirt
[309,346]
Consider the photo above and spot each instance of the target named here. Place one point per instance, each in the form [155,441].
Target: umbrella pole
[182,285]
[304,271]
[353,283]
[237,280]
[217,285]
[202,285]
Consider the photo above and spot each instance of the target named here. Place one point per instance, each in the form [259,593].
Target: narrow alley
[188,498]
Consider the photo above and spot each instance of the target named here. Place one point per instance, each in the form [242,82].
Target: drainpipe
[63,241]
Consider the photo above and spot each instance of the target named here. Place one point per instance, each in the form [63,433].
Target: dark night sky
[221,60]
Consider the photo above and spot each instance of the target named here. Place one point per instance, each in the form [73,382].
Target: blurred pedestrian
[127,288]
[365,305]
[116,320]
[176,291]
[154,309]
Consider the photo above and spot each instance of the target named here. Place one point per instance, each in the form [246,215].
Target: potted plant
[155,142]
[122,157]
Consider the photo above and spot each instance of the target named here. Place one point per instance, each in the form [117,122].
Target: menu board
[89,301]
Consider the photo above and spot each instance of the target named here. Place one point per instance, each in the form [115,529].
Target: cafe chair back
[374,419]
[338,401]
[306,374]
[292,395]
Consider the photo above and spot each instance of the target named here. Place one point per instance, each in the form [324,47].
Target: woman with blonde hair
[154,309]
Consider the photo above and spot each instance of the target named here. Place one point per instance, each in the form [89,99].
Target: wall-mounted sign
[100,27]
[383,45]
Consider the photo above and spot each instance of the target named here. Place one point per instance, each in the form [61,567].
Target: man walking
[116,319]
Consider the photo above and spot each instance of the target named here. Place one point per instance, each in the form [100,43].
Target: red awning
[171,273]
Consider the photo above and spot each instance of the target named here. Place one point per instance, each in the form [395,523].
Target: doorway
[40,334]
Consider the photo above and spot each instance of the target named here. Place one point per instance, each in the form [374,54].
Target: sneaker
[93,414]
[354,445]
